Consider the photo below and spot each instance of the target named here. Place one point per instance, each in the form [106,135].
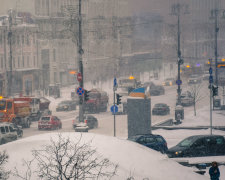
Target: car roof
[195,137]
[160,104]
[139,135]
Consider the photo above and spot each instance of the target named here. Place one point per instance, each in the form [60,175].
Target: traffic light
[215,91]
[118,99]
[86,95]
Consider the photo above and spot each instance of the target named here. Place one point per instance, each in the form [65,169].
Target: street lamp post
[214,15]
[176,10]
[80,52]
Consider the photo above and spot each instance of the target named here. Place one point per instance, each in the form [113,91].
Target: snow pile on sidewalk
[132,158]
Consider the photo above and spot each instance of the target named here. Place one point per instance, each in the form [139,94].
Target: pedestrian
[214,171]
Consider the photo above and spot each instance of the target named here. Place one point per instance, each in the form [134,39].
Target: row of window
[25,62]
[19,39]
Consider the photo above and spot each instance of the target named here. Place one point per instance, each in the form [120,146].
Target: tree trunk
[194,108]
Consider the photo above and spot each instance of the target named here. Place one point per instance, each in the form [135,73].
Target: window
[11,129]
[22,39]
[14,64]
[7,129]
[34,39]
[149,140]
[219,140]
[0,39]
[18,61]
[1,61]
[18,40]
[23,62]
[54,57]
[3,130]
[141,140]
[159,139]
[34,61]
[28,41]
[9,105]
[28,61]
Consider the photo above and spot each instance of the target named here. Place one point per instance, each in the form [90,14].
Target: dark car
[66,106]
[89,120]
[157,90]
[152,141]
[161,109]
[49,122]
[199,145]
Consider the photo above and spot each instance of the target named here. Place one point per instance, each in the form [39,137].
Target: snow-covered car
[194,79]
[186,99]
[66,106]
[89,120]
[169,82]
[161,109]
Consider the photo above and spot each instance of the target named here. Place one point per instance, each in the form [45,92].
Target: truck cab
[15,111]
[97,102]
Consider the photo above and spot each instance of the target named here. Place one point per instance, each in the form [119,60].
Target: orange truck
[15,110]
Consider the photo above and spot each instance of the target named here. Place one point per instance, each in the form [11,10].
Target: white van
[7,133]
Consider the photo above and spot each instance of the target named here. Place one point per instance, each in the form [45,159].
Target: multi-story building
[23,64]
[104,32]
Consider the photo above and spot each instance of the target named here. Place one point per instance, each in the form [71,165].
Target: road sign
[210,79]
[79,76]
[210,70]
[114,82]
[178,82]
[114,109]
[80,91]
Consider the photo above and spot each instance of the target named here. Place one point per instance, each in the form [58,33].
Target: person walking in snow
[214,171]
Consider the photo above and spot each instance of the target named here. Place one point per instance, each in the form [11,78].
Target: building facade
[23,64]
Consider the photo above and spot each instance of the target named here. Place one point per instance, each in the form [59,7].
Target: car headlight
[178,152]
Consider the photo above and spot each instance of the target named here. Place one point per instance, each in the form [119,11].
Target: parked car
[186,99]
[89,120]
[161,109]
[7,133]
[49,122]
[18,129]
[66,106]
[194,79]
[153,141]
[199,145]
[169,82]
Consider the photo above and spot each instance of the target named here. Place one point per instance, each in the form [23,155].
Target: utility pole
[80,53]
[176,10]
[10,54]
[216,36]
[210,95]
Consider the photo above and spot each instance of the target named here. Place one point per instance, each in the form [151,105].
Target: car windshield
[186,142]
[133,138]
[2,105]
[45,118]
[160,105]
[93,96]
[64,103]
